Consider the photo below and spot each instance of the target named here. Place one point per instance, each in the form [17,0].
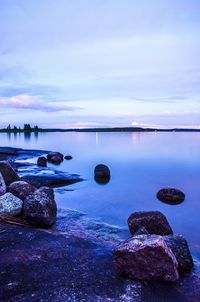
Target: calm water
[140,164]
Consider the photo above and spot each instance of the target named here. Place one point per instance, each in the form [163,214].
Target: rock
[2,185]
[21,189]
[40,208]
[180,248]
[171,196]
[55,157]
[8,173]
[68,157]
[146,257]
[153,221]
[141,231]
[58,179]
[10,204]
[102,174]
[42,161]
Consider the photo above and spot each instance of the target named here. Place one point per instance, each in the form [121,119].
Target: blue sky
[86,63]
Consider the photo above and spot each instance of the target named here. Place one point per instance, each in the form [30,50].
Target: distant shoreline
[113,129]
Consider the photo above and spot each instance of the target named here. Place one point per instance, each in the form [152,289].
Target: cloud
[25,101]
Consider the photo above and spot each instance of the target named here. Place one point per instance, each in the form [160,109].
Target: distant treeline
[25,128]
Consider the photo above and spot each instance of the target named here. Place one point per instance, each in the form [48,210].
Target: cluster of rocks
[52,157]
[153,252]
[21,199]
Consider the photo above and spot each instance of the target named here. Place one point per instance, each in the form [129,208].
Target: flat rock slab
[52,267]
[9,152]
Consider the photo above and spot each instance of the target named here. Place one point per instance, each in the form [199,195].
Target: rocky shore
[77,265]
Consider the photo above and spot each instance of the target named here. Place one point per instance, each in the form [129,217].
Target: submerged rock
[171,196]
[55,157]
[8,172]
[153,221]
[146,257]
[68,157]
[21,189]
[40,208]
[42,161]
[2,185]
[180,248]
[58,179]
[10,204]
[102,174]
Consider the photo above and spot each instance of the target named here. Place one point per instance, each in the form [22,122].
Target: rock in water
[42,161]
[171,196]
[21,189]
[2,185]
[146,257]
[68,157]
[8,173]
[180,248]
[55,157]
[102,174]
[10,204]
[40,208]
[153,221]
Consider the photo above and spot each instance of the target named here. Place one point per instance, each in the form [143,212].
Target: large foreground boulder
[40,208]
[153,221]
[2,185]
[10,204]
[55,157]
[146,257]
[170,195]
[21,189]
[180,248]
[8,172]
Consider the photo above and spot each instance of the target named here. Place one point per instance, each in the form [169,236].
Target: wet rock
[146,257]
[10,204]
[2,185]
[68,157]
[141,231]
[58,179]
[153,221]
[40,208]
[42,161]
[55,157]
[8,172]
[171,196]
[21,189]
[102,174]
[180,248]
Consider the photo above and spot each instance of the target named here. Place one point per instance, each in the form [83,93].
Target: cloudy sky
[86,63]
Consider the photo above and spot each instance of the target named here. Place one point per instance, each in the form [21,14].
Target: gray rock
[21,189]
[10,204]
[42,161]
[40,208]
[146,257]
[8,172]
[2,185]
[55,157]
[180,248]
[153,221]
[171,196]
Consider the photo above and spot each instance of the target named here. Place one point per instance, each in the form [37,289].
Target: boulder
[8,172]
[21,189]
[141,231]
[68,157]
[102,174]
[42,161]
[55,157]
[146,257]
[2,185]
[40,208]
[10,204]
[153,221]
[171,195]
[180,248]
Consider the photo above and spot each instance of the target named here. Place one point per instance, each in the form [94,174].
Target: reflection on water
[141,164]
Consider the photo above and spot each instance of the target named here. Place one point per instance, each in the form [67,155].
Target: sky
[100,63]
